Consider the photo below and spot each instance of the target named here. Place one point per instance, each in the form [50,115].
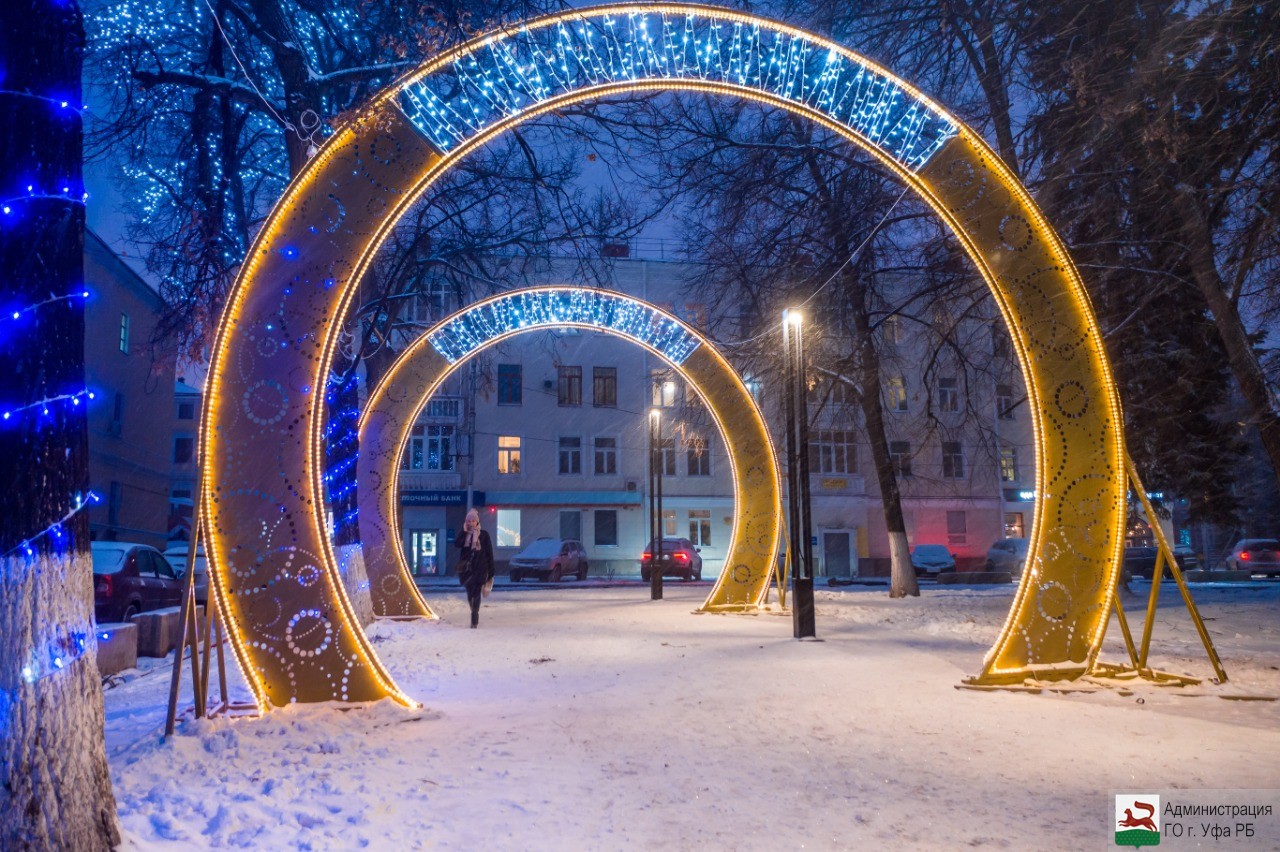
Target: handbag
[464,568]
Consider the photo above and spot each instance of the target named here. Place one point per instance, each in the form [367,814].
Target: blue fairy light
[513,73]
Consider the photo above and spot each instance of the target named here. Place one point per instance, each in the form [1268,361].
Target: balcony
[444,409]
[430,480]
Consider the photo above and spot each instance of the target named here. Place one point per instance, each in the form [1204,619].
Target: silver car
[550,559]
[177,556]
[1008,554]
[1255,555]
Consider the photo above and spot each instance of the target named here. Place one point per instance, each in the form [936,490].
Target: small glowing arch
[273,569]
[393,407]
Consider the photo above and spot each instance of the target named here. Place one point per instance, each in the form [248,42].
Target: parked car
[550,559]
[177,556]
[1255,555]
[1008,554]
[932,559]
[679,559]
[1186,558]
[129,579]
[1139,562]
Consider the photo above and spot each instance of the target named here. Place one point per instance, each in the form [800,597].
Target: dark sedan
[679,559]
[129,579]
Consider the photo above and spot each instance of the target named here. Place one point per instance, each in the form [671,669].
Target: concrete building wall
[130,434]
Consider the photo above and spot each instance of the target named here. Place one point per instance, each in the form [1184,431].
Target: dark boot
[475,619]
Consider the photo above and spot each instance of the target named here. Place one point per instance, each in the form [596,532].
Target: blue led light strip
[516,71]
[522,310]
[56,529]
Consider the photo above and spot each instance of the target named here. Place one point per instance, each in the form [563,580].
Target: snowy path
[596,719]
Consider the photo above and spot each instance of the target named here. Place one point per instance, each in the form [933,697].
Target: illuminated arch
[262,505]
[395,403]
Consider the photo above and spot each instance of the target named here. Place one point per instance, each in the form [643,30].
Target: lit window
[508,521]
[700,527]
[508,454]
[1009,464]
[896,394]
[124,333]
[952,460]
[1013,527]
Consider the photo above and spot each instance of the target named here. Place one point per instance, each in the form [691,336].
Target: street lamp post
[655,504]
[799,511]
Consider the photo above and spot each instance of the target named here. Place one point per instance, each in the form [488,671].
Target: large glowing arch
[399,397]
[262,504]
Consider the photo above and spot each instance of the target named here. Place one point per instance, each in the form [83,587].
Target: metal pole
[655,464]
[802,607]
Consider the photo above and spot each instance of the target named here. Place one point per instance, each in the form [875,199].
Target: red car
[129,579]
[679,559]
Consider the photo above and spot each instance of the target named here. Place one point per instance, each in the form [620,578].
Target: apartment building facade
[547,434]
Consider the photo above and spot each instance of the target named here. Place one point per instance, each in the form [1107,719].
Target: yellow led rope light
[234,362]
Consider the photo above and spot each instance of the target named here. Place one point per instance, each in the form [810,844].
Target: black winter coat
[481,570]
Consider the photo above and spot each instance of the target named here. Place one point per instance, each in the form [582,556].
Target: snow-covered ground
[593,718]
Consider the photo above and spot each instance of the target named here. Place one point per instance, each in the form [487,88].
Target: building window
[606,456]
[186,411]
[429,448]
[1013,525]
[999,342]
[754,387]
[948,395]
[604,387]
[606,527]
[891,330]
[1009,464]
[444,408]
[1004,402]
[508,521]
[833,451]
[698,455]
[431,304]
[115,495]
[440,447]
[183,449]
[569,385]
[669,523]
[952,460]
[957,528]
[667,448]
[570,456]
[900,457]
[124,333]
[896,393]
[571,524]
[117,415]
[700,527]
[508,454]
[510,384]
[696,315]
[664,390]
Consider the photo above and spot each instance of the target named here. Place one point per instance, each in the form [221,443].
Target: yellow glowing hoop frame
[273,569]
[393,407]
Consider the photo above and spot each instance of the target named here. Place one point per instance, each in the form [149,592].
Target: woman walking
[475,566]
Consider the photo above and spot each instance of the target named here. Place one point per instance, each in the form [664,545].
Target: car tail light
[1244,554]
[681,556]
[104,585]
[646,555]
